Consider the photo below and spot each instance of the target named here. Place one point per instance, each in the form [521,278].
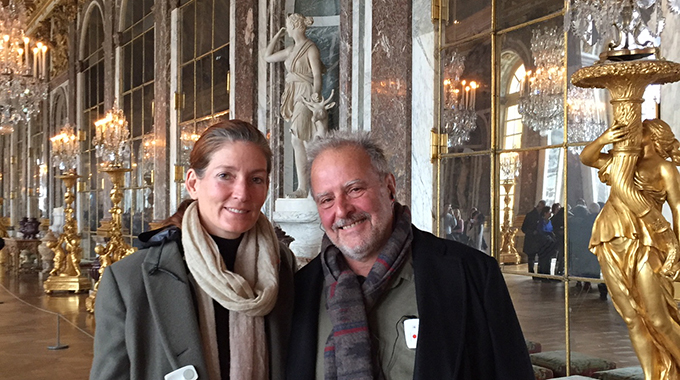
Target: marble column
[391,87]
[162,108]
[243,67]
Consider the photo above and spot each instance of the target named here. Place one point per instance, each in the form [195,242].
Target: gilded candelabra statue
[111,142]
[509,165]
[636,246]
[66,274]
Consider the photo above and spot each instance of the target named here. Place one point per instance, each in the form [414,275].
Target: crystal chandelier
[629,26]
[585,116]
[23,68]
[111,138]
[65,149]
[541,102]
[458,116]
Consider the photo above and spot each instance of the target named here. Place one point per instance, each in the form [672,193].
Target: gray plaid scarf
[348,349]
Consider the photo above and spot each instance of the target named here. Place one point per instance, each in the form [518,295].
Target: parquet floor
[28,326]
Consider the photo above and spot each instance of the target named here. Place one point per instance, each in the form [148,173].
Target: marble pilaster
[243,52]
[391,87]
[424,118]
[162,108]
[345,93]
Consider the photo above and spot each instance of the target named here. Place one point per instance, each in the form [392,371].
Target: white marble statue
[46,254]
[303,80]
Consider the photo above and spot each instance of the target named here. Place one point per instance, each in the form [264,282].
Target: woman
[303,80]
[217,295]
[636,247]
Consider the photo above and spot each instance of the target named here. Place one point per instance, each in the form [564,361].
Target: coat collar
[166,282]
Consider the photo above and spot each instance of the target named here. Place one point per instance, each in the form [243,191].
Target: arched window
[512,139]
[203,59]
[137,92]
[91,207]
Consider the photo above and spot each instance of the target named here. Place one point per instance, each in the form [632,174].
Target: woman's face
[232,190]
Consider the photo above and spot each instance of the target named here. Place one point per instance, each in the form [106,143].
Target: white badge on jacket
[411,332]
[188,372]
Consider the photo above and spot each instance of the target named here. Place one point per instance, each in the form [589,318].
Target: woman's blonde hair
[299,21]
[663,139]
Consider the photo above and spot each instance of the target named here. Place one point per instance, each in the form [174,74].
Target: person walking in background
[459,230]
[557,221]
[545,242]
[529,229]
[450,222]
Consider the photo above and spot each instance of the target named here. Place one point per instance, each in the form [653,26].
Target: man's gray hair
[340,139]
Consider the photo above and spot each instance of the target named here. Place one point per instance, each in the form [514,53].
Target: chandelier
[65,149]
[111,137]
[541,102]
[23,68]
[585,116]
[458,116]
[628,24]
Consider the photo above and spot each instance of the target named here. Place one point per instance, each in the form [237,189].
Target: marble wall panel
[425,74]
[391,62]
[345,62]
[244,60]
[162,109]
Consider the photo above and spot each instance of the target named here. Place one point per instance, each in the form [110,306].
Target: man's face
[540,205]
[354,202]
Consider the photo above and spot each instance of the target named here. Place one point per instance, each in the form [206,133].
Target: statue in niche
[636,246]
[303,80]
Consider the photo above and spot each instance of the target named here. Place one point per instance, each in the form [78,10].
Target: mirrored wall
[510,171]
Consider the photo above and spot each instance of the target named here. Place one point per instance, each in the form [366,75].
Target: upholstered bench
[627,373]
[581,364]
[533,347]
[542,373]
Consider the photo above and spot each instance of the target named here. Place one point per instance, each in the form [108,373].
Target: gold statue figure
[636,247]
[66,274]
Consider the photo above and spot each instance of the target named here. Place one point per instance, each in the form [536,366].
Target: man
[384,300]
[449,221]
[529,228]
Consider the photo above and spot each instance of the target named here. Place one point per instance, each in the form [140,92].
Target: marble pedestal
[300,219]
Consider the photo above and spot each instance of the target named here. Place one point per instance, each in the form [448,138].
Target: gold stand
[509,254]
[66,275]
[116,248]
[649,248]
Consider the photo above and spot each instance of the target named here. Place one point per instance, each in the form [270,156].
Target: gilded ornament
[634,243]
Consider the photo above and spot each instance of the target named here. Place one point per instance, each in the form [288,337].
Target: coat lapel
[441,298]
[167,288]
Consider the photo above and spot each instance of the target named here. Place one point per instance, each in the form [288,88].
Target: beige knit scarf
[249,293]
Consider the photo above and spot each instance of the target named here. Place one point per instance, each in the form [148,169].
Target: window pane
[203,26]
[187,86]
[137,61]
[187,33]
[148,111]
[203,86]
[136,121]
[149,56]
[127,67]
[221,23]
[220,90]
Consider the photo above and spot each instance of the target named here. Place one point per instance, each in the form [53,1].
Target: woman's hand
[614,134]
[279,33]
